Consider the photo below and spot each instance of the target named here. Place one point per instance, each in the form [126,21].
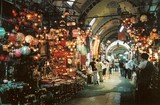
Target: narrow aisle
[114,91]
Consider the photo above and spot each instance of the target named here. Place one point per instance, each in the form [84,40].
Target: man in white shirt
[142,64]
[99,69]
[126,69]
[130,68]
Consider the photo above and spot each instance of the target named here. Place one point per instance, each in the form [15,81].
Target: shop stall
[38,63]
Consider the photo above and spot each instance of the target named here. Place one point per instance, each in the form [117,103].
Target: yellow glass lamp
[153,36]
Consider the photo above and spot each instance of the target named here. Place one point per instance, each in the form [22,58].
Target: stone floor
[114,91]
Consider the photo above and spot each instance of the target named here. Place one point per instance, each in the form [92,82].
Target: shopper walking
[121,65]
[130,68]
[92,64]
[95,72]
[104,67]
[99,69]
[126,69]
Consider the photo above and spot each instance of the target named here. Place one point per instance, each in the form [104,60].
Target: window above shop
[71,2]
[92,22]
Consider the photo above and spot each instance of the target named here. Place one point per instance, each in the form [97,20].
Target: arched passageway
[119,50]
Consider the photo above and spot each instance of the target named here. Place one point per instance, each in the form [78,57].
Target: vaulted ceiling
[107,22]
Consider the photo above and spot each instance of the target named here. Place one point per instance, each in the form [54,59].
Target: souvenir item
[25,50]
[29,38]
[2,32]
[17,52]
[20,37]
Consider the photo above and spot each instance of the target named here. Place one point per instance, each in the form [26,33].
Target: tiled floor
[114,91]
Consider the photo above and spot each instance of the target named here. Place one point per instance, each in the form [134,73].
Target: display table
[9,92]
[54,89]
[63,89]
[11,86]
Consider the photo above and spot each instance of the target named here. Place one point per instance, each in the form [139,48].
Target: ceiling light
[92,21]
[121,29]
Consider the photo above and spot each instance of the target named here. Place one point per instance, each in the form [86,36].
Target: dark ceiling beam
[134,2]
[8,1]
[103,22]
[102,16]
[75,7]
[12,3]
[157,6]
[150,4]
[145,5]
[141,6]
[118,49]
[109,33]
[88,5]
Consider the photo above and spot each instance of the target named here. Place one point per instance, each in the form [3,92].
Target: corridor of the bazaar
[79,52]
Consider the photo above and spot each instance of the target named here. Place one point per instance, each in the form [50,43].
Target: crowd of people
[99,70]
[142,73]
[102,70]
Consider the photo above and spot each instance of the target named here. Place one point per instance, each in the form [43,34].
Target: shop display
[41,57]
[17,52]
[25,50]
[2,32]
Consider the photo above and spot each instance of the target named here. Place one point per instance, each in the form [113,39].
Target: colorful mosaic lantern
[25,50]
[2,32]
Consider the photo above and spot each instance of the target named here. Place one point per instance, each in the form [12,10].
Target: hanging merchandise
[12,38]
[96,46]
[143,18]
[63,42]
[2,32]
[5,48]
[25,50]
[43,50]
[153,36]
[32,40]
[133,20]
[83,50]
[11,54]
[4,57]
[51,43]
[20,37]
[1,57]
[88,44]
[35,42]
[17,52]
[29,38]
[83,59]
[75,32]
